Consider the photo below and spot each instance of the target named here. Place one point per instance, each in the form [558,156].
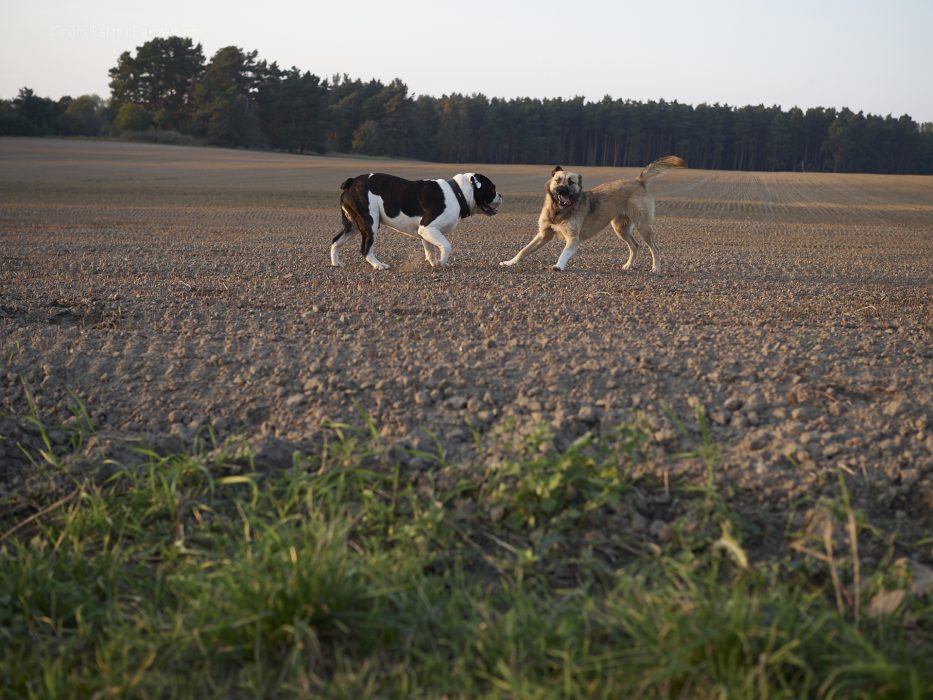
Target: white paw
[507,263]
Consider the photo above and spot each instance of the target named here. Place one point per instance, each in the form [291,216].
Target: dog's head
[564,187]
[485,195]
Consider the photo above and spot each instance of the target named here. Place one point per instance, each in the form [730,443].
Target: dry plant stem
[36,516]
[831,561]
[856,570]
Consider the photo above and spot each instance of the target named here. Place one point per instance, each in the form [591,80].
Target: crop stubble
[175,289]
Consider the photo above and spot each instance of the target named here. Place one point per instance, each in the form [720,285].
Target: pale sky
[875,57]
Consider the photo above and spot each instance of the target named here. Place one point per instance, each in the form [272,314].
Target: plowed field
[178,292]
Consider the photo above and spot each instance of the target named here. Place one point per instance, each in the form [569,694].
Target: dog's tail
[661,166]
[346,183]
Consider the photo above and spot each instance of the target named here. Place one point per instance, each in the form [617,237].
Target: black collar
[461,198]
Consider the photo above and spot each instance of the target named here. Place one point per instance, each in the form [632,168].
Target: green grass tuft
[347,575]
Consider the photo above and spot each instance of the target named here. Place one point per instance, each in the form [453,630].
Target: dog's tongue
[563,200]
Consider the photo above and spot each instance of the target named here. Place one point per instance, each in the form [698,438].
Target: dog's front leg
[539,240]
[434,236]
[569,249]
[430,252]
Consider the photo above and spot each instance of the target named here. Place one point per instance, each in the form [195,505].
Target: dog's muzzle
[562,197]
[491,208]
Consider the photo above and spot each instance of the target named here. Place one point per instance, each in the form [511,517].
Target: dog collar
[461,198]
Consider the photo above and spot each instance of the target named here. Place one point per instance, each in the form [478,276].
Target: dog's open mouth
[488,209]
[562,196]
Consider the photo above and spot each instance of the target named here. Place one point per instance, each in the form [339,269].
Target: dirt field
[175,289]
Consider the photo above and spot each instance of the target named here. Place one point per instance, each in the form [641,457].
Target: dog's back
[630,197]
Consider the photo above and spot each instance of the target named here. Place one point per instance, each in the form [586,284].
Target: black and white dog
[428,209]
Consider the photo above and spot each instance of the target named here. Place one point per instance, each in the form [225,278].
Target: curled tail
[346,183]
[660,166]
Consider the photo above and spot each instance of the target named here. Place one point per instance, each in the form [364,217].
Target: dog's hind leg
[623,228]
[369,240]
[646,231]
[369,229]
[367,225]
[539,240]
[641,213]
[340,239]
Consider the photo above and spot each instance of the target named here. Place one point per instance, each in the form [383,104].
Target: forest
[168,91]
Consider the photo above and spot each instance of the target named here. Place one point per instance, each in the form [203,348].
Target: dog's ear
[580,182]
[475,182]
[556,169]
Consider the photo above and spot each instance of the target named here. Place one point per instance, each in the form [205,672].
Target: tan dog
[577,215]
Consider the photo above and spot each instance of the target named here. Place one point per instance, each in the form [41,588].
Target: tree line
[167,90]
